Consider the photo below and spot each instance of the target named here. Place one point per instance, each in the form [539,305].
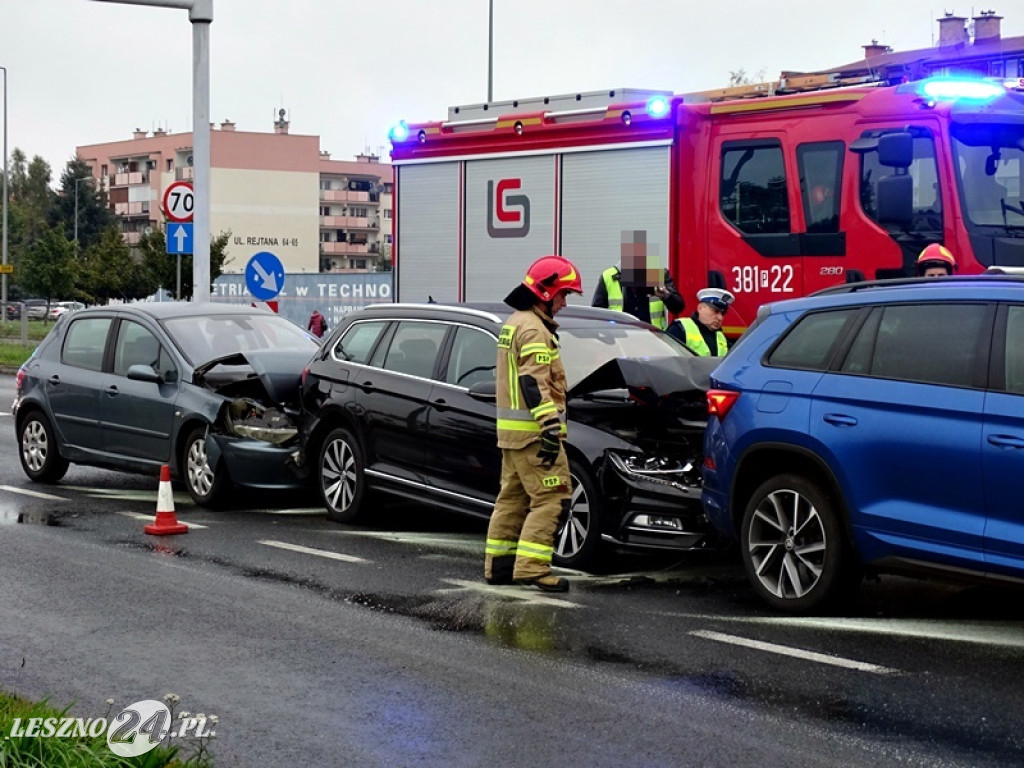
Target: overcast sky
[82,72]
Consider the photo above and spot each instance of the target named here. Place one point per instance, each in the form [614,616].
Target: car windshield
[990,166]
[584,350]
[205,338]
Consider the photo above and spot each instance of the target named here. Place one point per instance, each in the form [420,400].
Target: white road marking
[298,512]
[128,494]
[785,650]
[36,494]
[515,592]
[317,552]
[152,518]
[462,543]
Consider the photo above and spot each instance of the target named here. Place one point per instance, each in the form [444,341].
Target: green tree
[163,268]
[94,214]
[49,268]
[109,271]
[30,208]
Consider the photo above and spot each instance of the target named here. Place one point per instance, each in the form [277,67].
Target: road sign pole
[177,295]
[201,149]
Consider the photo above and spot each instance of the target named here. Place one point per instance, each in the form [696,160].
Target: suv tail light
[720,402]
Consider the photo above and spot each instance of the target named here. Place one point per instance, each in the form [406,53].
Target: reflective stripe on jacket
[695,340]
[613,287]
[527,347]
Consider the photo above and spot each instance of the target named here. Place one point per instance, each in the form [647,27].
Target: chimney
[159,132]
[281,125]
[139,134]
[874,50]
[325,155]
[986,26]
[952,30]
[227,125]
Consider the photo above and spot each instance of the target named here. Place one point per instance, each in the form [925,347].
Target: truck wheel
[340,476]
[578,540]
[793,546]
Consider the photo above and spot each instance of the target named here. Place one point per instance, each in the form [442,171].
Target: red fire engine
[770,196]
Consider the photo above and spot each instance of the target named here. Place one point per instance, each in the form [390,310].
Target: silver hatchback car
[209,389]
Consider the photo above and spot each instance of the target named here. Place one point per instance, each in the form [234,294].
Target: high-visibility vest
[695,340]
[613,287]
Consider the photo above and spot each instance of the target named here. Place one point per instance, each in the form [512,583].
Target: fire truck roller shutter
[428,234]
[606,193]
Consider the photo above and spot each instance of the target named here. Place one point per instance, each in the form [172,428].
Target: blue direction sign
[264,276]
[179,238]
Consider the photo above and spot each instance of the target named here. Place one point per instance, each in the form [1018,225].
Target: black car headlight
[657,469]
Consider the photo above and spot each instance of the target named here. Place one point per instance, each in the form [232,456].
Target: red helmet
[550,274]
[936,255]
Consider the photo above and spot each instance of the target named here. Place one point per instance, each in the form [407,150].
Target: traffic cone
[166,522]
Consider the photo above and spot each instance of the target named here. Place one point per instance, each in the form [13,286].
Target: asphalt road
[318,643]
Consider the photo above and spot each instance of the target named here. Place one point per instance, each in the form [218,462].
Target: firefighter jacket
[531,382]
[694,339]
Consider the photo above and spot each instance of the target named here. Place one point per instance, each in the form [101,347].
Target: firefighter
[531,386]
[936,261]
[702,331]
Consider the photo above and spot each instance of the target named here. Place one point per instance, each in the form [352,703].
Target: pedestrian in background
[531,387]
[317,324]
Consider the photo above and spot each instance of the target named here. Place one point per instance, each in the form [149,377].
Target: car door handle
[53,380]
[111,390]
[840,420]
[368,386]
[1006,441]
[441,404]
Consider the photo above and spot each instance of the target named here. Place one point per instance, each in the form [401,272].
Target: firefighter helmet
[936,255]
[550,274]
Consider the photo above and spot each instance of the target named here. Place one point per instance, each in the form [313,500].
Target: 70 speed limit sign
[179,201]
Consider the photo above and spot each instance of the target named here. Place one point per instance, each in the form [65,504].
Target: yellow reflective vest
[528,346]
[613,287]
[695,340]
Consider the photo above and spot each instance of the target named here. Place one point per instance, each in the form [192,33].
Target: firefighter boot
[501,569]
[547,583]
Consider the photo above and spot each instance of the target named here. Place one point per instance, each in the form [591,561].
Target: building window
[325,237]
[388,186]
[325,211]
[358,263]
[103,170]
[325,183]
[359,213]
[387,213]
[170,164]
[388,239]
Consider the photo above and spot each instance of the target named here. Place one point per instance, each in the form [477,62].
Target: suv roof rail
[995,277]
[433,305]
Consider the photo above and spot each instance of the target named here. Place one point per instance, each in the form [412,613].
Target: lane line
[458,542]
[311,551]
[152,518]
[785,650]
[36,494]
[515,592]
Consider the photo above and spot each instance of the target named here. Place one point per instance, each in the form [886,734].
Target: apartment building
[274,192]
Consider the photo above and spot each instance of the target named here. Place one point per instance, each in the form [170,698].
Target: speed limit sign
[179,201]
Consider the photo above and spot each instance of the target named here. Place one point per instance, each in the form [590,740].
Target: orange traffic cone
[165,522]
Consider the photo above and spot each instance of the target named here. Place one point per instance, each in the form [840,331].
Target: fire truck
[769,191]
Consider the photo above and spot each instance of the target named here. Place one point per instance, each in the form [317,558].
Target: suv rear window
[809,344]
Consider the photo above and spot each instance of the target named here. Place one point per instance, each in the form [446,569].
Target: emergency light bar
[399,132]
[944,89]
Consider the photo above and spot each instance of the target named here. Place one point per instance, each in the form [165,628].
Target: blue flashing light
[399,132]
[970,90]
[657,106]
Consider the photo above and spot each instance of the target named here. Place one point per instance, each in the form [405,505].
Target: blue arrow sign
[179,238]
[264,276]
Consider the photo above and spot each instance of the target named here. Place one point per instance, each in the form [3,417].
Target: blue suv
[872,427]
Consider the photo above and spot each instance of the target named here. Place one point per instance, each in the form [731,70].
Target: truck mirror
[896,200]
[896,150]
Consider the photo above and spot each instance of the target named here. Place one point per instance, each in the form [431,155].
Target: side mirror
[144,373]
[484,391]
[896,200]
[896,150]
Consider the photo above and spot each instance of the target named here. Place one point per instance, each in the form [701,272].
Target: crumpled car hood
[650,379]
[279,371]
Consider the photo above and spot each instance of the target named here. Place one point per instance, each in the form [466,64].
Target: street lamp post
[200,13]
[78,181]
[490,51]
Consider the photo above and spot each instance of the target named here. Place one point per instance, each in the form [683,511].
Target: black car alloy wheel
[341,479]
[577,541]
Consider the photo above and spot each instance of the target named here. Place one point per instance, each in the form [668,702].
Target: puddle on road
[38,517]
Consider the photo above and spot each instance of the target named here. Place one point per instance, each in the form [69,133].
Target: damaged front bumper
[654,502]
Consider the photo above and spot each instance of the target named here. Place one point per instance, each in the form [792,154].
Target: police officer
[936,261]
[702,331]
[531,386]
[648,304]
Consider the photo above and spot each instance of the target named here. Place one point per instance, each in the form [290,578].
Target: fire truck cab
[770,196]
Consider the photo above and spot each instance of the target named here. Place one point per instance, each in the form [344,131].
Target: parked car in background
[401,399]
[62,307]
[36,309]
[209,389]
[874,427]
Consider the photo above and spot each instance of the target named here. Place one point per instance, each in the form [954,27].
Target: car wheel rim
[200,476]
[787,544]
[34,445]
[338,475]
[570,538]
